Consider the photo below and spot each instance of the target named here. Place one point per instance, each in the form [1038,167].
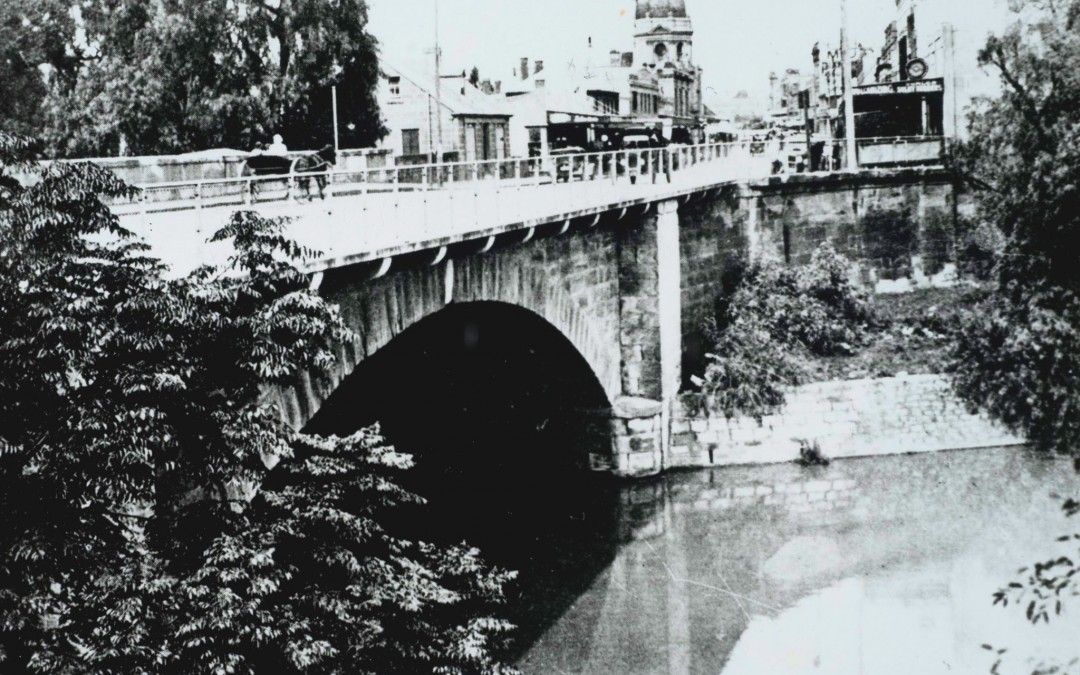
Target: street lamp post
[851,153]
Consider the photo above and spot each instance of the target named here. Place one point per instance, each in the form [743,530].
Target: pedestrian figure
[278,146]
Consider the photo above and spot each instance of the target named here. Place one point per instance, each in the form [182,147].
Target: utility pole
[805,100]
[438,89]
[948,48]
[333,100]
[850,151]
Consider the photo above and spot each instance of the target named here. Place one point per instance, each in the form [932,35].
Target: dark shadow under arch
[501,412]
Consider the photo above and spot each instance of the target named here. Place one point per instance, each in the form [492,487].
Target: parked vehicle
[634,160]
[567,167]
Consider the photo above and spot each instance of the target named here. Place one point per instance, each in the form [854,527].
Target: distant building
[654,86]
[904,95]
[613,83]
[826,86]
[784,90]
[664,43]
[913,89]
[539,115]
[901,45]
[474,125]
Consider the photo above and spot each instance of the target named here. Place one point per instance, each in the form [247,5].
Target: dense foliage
[31,34]
[1042,591]
[162,77]
[767,316]
[158,514]
[1019,355]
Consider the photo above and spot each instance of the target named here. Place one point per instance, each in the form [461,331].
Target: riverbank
[912,336]
[847,418]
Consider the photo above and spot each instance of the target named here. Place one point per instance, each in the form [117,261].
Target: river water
[875,566]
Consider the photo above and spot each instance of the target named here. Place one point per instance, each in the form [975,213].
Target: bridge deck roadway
[353,228]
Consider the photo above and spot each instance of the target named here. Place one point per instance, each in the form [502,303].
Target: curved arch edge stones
[612,291]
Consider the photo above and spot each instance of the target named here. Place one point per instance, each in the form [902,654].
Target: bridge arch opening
[501,413]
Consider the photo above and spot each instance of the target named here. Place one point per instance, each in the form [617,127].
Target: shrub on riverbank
[770,321]
[913,333]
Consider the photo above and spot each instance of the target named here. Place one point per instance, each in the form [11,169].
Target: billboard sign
[935,86]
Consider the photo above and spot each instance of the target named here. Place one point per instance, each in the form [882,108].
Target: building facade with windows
[470,124]
[615,86]
[664,44]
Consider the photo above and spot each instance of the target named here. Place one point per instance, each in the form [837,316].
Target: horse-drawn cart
[295,172]
[263,164]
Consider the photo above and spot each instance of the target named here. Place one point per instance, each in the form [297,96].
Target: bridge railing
[614,166]
[713,162]
[871,152]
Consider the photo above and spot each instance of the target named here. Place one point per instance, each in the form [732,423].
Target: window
[634,104]
[470,142]
[660,50]
[410,141]
[395,85]
[483,141]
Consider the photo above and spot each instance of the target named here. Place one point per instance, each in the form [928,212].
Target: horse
[317,164]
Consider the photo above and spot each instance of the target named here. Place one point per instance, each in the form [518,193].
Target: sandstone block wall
[900,225]
[711,237]
[855,418]
[635,447]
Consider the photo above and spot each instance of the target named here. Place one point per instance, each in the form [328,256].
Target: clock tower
[664,42]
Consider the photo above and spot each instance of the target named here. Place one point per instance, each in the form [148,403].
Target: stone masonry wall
[638,292]
[899,224]
[711,237]
[854,418]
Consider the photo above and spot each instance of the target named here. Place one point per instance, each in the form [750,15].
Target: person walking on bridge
[278,146]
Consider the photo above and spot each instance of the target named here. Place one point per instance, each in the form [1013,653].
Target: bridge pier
[650,341]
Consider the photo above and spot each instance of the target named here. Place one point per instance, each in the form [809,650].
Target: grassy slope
[913,337]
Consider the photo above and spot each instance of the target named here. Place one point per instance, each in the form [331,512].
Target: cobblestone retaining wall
[855,418]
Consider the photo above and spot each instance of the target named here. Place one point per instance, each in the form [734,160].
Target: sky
[737,42]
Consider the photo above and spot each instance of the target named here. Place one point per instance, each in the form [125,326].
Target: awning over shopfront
[911,108]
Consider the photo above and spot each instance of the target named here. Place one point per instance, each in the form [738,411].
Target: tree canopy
[170,76]
[159,516]
[1019,356]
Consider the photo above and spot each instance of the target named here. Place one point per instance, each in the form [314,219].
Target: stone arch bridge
[624,271]
[615,285]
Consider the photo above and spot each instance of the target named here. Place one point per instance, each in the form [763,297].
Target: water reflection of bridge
[897,576]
